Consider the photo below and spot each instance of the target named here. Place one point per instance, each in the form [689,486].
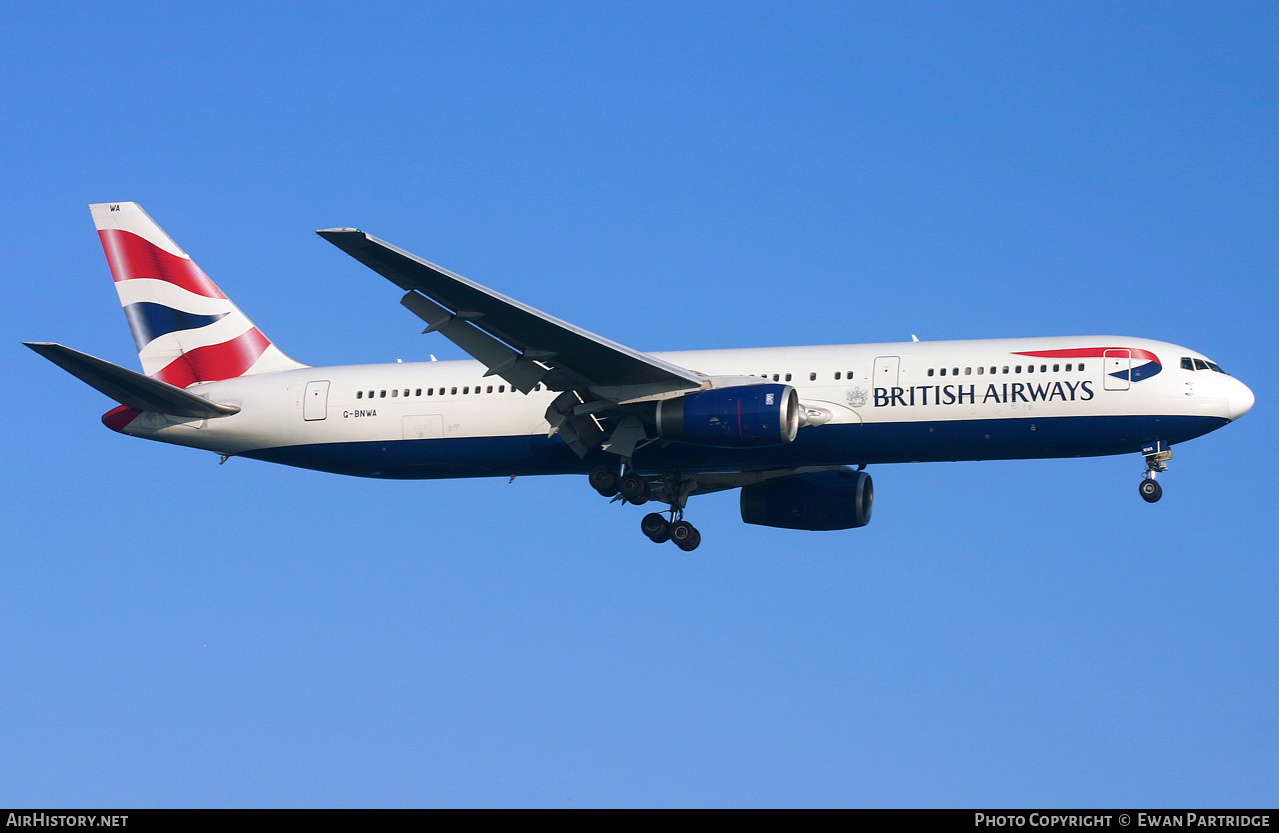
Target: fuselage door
[315,402]
[886,368]
[1117,367]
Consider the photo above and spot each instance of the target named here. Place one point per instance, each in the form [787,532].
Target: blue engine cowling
[820,500]
[747,416]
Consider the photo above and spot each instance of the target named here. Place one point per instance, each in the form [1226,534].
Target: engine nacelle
[746,416]
[820,500]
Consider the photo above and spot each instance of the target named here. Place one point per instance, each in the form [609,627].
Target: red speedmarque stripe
[131,257]
[216,361]
[1090,353]
[118,418]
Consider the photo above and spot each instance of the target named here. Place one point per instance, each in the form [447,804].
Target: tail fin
[185,329]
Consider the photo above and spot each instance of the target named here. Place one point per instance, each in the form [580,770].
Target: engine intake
[840,499]
[746,416]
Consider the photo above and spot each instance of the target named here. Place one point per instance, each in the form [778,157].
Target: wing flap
[128,387]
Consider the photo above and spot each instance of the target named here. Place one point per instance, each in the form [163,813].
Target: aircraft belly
[846,444]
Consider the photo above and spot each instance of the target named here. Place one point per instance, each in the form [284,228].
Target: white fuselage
[896,402]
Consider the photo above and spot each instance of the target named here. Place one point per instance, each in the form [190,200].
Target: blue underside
[901,442]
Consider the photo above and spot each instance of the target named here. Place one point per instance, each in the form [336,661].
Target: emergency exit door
[1116,365]
[886,370]
[315,402]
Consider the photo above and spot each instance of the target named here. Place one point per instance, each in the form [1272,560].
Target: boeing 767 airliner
[792,427]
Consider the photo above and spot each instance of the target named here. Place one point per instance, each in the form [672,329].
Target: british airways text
[1004,393]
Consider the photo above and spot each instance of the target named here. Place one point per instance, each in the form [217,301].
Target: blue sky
[178,633]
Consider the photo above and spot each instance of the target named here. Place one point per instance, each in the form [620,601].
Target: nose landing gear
[1157,455]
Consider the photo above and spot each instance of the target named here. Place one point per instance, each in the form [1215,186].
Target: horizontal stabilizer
[129,387]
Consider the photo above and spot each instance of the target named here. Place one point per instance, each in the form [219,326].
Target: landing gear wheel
[685,535]
[1150,490]
[603,480]
[633,488]
[656,528]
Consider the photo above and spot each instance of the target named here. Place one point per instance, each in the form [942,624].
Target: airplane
[793,428]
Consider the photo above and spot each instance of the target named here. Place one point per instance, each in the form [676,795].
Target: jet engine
[839,499]
[746,416]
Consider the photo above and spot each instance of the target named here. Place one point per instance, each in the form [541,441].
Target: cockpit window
[1188,363]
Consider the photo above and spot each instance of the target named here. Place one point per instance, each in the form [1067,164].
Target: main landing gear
[633,489]
[659,530]
[1157,455]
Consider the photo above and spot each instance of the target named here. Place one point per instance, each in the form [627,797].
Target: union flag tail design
[185,329]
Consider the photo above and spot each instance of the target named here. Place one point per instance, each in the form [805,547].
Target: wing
[454,305]
[526,346]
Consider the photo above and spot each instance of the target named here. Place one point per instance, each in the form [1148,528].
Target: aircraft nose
[1241,399]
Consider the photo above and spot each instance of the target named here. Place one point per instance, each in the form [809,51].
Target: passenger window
[954,371]
[501,388]
[1043,368]
[417,392]
[968,371]
[1018,369]
[980,371]
[776,377]
[370,394]
[1081,366]
[359,394]
[1056,368]
[1030,368]
[395,393]
[788,377]
[930,371]
[1067,368]
[943,371]
[490,389]
[453,391]
[836,375]
[812,377]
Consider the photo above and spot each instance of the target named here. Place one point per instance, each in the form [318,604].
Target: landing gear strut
[1157,455]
